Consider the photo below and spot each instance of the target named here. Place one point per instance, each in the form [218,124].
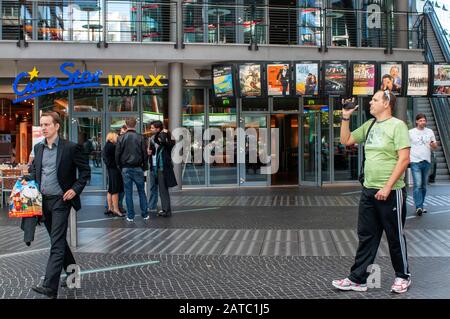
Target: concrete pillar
[175,106]
[402,24]
[401,107]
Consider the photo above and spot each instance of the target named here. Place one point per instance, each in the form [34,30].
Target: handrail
[444,43]
[441,111]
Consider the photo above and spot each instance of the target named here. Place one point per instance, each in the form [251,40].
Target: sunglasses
[387,93]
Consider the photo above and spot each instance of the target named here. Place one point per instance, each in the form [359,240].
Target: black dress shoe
[163,213]
[45,291]
[123,210]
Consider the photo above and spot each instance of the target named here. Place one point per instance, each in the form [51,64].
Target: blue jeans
[420,173]
[136,175]
[153,200]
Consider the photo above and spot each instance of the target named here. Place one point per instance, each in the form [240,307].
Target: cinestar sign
[75,79]
[27,85]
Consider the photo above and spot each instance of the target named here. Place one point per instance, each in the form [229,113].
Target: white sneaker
[346,284]
[401,285]
[146,218]
[130,220]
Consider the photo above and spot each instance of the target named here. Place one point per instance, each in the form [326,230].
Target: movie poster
[307,79]
[391,77]
[417,79]
[441,79]
[363,79]
[250,79]
[335,78]
[278,79]
[223,81]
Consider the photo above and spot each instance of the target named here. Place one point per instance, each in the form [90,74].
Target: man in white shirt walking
[422,142]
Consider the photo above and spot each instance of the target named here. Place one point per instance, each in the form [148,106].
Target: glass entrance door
[253,146]
[315,145]
[87,131]
[287,125]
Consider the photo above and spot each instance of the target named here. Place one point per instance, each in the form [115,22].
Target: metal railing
[157,21]
[89,20]
[442,39]
[441,112]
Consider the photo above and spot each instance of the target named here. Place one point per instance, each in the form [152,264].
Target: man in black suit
[54,169]
[283,77]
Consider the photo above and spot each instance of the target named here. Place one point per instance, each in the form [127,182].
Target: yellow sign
[140,80]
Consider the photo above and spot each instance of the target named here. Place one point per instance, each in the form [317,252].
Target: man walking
[422,142]
[131,157]
[55,170]
[161,168]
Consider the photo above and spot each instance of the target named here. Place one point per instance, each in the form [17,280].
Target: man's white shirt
[420,144]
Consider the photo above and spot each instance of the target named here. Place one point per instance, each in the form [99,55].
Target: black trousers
[164,192]
[56,213]
[374,217]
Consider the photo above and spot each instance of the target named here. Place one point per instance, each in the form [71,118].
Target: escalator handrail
[441,112]
[436,24]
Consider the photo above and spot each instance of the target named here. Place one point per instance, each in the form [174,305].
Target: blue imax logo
[75,79]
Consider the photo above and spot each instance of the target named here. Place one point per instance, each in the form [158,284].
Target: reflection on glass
[310,22]
[155,103]
[122,100]
[193,120]
[58,102]
[223,116]
[257,144]
[285,104]
[88,100]
[288,149]
[315,139]
[345,157]
[87,24]
[122,18]
[254,104]
[89,136]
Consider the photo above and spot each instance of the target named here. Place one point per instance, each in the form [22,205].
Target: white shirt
[420,144]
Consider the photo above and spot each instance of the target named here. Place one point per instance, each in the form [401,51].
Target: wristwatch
[345,119]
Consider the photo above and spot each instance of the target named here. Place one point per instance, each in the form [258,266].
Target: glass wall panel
[51,22]
[122,21]
[193,119]
[155,104]
[88,100]
[194,23]
[223,116]
[285,104]
[155,22]
[87,18]
[58,102]
[254,104]
[221,21]
[122,100]
[342,23]
[345,157]
[310,25]
[10,18]
[87,132]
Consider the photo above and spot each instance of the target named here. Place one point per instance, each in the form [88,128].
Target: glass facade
[282,22]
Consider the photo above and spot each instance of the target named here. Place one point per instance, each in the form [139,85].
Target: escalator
[437,109]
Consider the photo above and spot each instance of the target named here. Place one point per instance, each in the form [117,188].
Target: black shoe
[45,291]
[419,211]
[123,210]
[163,213]
[107,212]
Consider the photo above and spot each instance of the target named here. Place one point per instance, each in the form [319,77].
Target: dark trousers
[164,192]
[56,213]
[374,217]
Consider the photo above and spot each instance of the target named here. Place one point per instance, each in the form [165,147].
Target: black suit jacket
[69,159]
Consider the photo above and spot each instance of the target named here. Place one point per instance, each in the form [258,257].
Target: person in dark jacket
[132,159]
[55,171]
[162,166]
[115,182]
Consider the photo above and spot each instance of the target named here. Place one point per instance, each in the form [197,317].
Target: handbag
[361,171]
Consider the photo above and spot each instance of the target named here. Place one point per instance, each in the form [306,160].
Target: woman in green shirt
[382,206]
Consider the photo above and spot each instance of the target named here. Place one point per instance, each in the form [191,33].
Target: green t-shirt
[381,149]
